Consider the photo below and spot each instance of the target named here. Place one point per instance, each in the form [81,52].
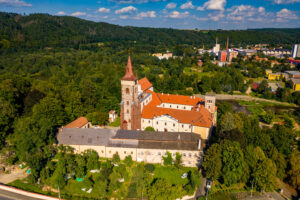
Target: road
[6,195]
[246,98]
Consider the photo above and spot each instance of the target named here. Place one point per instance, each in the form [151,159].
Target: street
[6,195]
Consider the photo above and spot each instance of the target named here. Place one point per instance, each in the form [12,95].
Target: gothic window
[127,90]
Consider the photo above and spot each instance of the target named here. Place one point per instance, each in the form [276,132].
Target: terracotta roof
[179,99]
[145,84]
[196,118]
[78,123]
[129,76]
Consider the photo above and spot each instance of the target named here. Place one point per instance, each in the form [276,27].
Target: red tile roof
[78,123]
[179,99]
[196,118]
[145,84]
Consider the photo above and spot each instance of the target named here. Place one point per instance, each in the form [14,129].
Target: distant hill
[42,30]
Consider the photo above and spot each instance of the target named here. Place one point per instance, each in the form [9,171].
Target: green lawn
[172,174]
[115,123]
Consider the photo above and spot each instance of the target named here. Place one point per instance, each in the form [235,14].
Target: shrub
[149,167]
[128,161]
[149,128]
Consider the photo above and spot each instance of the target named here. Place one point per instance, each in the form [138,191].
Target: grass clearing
[172,174]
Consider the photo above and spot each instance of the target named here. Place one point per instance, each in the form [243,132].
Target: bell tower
[130,118]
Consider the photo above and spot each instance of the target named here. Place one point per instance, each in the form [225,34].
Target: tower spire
[129,76]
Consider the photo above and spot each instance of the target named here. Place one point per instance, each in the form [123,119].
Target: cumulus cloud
[61,13]
[187,5]
[178,15]
[135,1]
[216,16]
[126,10]
[150,14]
[171,5]
[213,5]
[284,15]
[249,13]
[14,3]
[77,14]
[103,10]
[285,1]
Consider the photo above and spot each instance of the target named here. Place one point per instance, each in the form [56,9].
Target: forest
[39,31]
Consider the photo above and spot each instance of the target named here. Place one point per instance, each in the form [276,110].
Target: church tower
[130,118]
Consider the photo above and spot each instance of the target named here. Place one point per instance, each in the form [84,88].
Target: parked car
[184,175]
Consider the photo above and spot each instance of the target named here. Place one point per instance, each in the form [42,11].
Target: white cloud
[284,15]
[261,9]
[216,16]
[61,13]
[187,5]
[249,13]
[14,3]
[150,14]
[213,5]
[171,5]
[126,10]
[76,14]
[285,1]
[178,15]
[103,10]
[135,1]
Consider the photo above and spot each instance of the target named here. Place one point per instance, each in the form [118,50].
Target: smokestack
[216,40]
[227,44]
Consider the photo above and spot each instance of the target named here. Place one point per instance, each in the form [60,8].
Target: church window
[127,90]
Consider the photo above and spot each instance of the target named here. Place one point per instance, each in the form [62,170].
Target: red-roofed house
[80,122]
[142,107]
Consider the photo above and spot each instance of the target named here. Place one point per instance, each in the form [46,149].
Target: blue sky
[181,14]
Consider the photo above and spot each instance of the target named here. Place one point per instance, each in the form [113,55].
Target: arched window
[127,90]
